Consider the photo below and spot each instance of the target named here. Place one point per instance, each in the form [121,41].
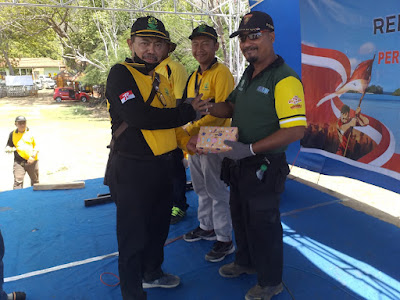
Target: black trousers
[142,191]
[179,181]
[255,214]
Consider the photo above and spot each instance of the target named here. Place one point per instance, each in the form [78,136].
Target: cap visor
[236,33]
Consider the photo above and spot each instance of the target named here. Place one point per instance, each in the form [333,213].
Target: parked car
[38,84]
[49,83]
[68,93]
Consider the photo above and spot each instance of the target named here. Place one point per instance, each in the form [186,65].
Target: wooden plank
[58,186]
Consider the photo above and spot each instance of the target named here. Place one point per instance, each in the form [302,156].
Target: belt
[166,156]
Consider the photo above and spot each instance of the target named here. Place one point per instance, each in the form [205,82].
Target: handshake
[9,149]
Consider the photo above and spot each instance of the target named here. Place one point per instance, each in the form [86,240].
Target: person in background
[23,144]
[3,295]
[177,76]
[212,80]
[146,130]
[268,108]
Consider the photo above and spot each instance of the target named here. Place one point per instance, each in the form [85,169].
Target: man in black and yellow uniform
[141,168]
[23,144]
[268,108]
[177,76]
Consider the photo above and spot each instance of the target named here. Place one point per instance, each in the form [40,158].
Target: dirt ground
[73,136]
[72,146]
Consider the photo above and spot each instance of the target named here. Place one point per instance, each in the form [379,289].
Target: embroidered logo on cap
[126,96]
[202,28]
[246,19]
[152,23]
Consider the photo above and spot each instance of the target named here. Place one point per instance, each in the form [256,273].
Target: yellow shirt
[215,83]
[25,144]
[178,76]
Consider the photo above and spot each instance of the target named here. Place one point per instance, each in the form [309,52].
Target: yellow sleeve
[180,77]
[182,138]
[289,103]
[223,84]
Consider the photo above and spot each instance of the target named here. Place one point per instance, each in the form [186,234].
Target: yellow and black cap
[253,22]
[149,27]
[204,30]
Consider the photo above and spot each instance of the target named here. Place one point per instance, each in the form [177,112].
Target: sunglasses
[250,36]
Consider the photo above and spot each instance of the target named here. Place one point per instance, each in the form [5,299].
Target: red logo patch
[126,96]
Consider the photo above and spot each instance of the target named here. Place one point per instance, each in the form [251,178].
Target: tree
[374,89]
[396,92]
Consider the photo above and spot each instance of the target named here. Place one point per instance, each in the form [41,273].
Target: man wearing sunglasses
[268,108]
[23,144]
[177,76]
[145,130]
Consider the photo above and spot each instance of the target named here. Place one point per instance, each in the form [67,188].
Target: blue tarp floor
[56,248]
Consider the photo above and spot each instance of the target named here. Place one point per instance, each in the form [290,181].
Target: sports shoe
[177,215]
[234,270]
[166,281]
[16,296]
[263,293]
[199,234]
[219,251]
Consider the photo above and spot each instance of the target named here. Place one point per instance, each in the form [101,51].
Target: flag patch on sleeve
[126,96]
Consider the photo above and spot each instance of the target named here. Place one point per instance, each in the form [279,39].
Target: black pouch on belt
[226,170]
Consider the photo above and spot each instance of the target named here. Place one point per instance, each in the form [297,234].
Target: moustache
[250,48]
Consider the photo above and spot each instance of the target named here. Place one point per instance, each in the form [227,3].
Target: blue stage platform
[56,248]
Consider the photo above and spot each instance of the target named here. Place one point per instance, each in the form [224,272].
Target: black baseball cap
[20,119]
[149,27]
[204,30]
[253,22]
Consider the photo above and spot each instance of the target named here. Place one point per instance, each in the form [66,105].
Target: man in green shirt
[268,108]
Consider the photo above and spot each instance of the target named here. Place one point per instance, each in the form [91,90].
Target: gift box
[211,138]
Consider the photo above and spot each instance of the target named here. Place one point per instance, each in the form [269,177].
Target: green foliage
[374,89]
[396,92]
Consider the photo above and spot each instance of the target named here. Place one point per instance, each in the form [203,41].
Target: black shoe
[232,270]
[166,281]
[189,186]
[199,234]
[263,293]
[177,215]
[219,251]
[17,296]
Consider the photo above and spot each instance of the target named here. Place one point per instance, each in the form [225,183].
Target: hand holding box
[211,138]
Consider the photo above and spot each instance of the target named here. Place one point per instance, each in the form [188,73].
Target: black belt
[259,157]
[165,156]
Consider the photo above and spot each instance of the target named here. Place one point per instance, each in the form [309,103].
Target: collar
[140,65]
[27,129]
[276,63]
[165,62]
[215,61]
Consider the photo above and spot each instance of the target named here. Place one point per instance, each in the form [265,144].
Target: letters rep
[388,26]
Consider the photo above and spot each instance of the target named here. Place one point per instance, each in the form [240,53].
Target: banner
[350,61]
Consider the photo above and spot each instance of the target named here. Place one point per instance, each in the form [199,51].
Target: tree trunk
[6,58]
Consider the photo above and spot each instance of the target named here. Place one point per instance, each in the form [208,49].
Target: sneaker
[219,251]
[177,215]
[199,234]
[234,270]
[17,296]
[166,281]
[263,293]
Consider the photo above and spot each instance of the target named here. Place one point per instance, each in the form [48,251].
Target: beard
[253,58]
